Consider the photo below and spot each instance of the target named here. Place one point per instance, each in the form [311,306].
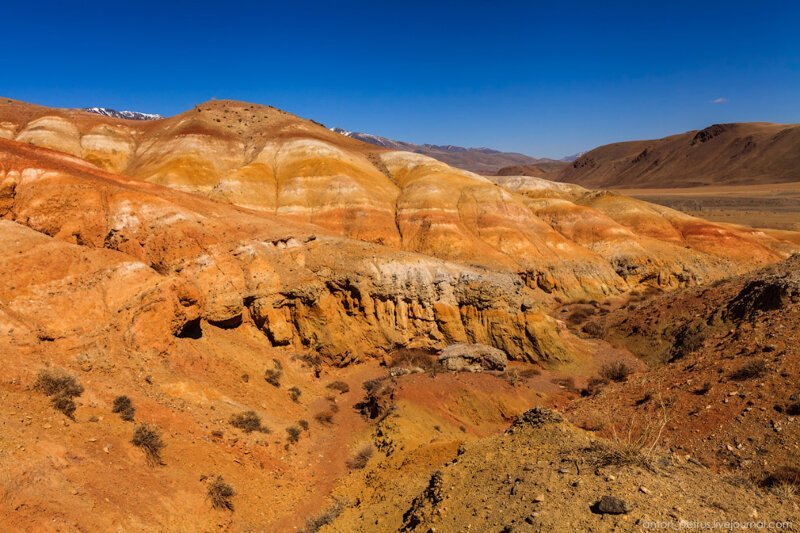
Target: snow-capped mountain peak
[130,115]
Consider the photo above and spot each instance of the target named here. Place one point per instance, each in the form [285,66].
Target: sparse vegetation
[248,421]
[361,458]
[593,329]
[273,375]
[567,383]
[325,418]
[339,386]
[315,523]
[785,476]
[414,358]
[220,494]
[303,424]
[704,389]
[124,407]
[751,370]
[148,438]
[293,435]
[61,388]
[380,393]
[618,371]
[294,394]
[594,385]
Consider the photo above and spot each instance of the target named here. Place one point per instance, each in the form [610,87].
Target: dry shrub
[751,370]
[315,523]
[580,315]
[530,372]
[124,406]
[293,434]
[360,459]
[148,438]
[61,388]
[303,424]
[593,329]
[325,418]
[57,383]
[412,358]
[785,475]
[618,371]
[379,395]
[594,385]
[703,389]
[273,375]
[339,386]
[248,421]
[634,446]
[294,394]
[220,494]
[567,383]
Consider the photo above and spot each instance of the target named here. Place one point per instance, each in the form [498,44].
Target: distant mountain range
[744,153]
[479,160]
[130,115]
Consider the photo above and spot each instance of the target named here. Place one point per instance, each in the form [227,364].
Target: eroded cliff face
[240,212]
[185,263]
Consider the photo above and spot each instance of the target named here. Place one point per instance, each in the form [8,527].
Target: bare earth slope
[236,258]
[722,154]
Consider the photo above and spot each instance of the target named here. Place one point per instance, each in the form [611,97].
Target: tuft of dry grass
[315,523]
[361,458]
[124,407]
[294,394]
[61,388]
[618,371]
[148,438]
[339,386]
[273,375]
[220,494]
[325,418]
[248,421]
[293,435]
[751,370]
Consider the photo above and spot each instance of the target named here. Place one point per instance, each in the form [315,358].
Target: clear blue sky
[543,78]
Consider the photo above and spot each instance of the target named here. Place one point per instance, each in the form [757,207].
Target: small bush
[293,434]
[61,388]
[65,404]
[618,371]
[273,375]
[148,439]
[704,389]
[412,358]
[220,494]
[360,459]
[785,475]
[294,394]
[248,421]
[593,329]
[594,385]
[325,418]
[303,424]
[339,386]
[315,523]
[567,383]
[603,454]
[530,372]
[751,370]
[124,406]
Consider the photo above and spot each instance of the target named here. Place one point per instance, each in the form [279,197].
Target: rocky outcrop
[472,358]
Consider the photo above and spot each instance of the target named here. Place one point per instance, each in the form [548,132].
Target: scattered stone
[610,505]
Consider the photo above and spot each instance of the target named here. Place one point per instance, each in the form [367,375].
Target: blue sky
[533,77]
